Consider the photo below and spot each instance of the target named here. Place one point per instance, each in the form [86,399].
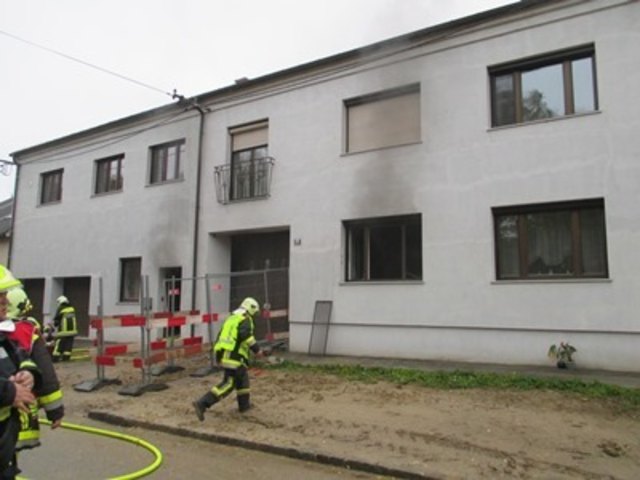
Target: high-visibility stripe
[46,401]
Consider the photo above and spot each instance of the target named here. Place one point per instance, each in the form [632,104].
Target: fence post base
[204,371]
[95,384]
[165,369]
[139,389]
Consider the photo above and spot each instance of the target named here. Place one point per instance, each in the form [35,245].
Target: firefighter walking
[66,329]
[232,349]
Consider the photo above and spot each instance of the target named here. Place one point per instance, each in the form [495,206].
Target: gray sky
[193,46]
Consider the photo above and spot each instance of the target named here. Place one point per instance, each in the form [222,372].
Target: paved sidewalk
[623,379]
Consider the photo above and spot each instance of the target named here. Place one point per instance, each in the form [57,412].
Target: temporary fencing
[147,353]
[157,357]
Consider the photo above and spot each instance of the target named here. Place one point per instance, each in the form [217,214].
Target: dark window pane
[542,93]
[592,230]
[130,280]
[386,252]
[508,253]
[504,112]
[356,253]
[388,248]
[414,251]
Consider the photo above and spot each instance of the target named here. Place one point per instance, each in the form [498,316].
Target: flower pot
[562,364]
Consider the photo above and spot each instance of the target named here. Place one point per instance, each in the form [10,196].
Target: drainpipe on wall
[13,211]
[196,222]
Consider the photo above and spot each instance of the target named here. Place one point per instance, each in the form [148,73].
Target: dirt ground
[435,433]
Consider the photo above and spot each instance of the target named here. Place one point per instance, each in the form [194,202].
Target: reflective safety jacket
[14,357]
[48,392]
[235,340]
[65,321]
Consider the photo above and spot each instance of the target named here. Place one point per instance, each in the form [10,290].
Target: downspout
[13,215]
[196,221]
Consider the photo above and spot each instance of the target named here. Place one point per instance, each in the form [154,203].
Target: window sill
[543,120]
[165,182]
[383,282]
[378,149]
[106,194]
[553,281]
[49,204]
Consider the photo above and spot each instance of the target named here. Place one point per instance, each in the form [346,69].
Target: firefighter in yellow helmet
[18,377]
[49,395]
[235,341]
[66,329]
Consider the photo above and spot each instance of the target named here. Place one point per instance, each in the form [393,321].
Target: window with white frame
[553,85]
[384,248]
[167,162]
[130,272]
[51,187]
[551,241]
[109,174]
[383,119]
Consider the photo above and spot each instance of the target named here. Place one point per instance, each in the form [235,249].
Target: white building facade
[466,192]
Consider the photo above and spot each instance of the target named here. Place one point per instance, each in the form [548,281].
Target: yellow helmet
[18,303]
[7,280]
[250,305]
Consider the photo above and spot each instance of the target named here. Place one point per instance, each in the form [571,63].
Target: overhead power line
[173,95]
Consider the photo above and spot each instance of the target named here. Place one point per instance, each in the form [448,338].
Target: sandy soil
[443,434]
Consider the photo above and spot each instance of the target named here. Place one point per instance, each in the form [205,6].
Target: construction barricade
[147,355]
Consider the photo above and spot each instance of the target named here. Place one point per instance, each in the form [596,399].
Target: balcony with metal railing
[243,180]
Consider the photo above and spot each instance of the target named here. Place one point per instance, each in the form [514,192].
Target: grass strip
[629,398]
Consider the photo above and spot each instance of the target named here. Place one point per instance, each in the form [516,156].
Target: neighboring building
[465,192]
[6,211]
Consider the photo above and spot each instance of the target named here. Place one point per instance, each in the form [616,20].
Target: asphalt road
[68,454]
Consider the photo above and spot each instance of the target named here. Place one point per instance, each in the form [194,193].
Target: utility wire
[104,70]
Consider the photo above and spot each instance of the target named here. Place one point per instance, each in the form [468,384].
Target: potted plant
[562,354]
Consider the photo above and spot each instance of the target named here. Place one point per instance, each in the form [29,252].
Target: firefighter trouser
[8,437]
[234,379]
[62,348]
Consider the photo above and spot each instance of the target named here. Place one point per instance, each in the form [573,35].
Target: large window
[166,162]
[130,271]
[557,240]
[109,174]
[249,169]
[386,248]
[51,187]
[545,87]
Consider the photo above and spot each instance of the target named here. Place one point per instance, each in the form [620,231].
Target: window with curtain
[51,187]
[557,240]
[547,86]
[383,119]
[109,174]
[166,162]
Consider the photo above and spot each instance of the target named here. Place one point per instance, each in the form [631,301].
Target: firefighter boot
[243,402]
[204,402]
